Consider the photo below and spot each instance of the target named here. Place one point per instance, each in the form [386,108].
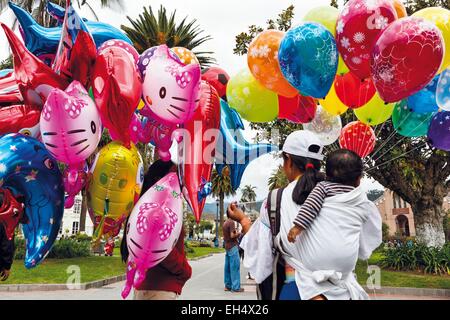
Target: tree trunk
[429,222]
[221,212]
[83,211]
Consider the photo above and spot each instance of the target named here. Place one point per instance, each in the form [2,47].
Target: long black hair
[311,177]
[158,170]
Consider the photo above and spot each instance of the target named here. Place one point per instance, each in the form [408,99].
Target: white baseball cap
[304,144]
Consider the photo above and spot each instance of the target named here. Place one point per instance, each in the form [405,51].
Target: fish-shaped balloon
[32,174]
[20,119]
[9,90]
[153,229]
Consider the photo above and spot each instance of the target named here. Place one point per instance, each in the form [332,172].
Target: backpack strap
[274,212]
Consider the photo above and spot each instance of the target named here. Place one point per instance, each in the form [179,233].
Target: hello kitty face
[170,89]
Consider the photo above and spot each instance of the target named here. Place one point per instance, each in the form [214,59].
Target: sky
[223,20]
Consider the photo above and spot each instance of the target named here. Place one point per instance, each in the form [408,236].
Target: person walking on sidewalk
[232,272]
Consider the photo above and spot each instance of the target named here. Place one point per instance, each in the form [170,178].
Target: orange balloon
[263,62]
[399,8]
[186,56]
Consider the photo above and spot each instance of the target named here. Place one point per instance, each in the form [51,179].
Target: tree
[278,179]
[374,194]
[221,188]
[248,194]
[150,30]
[410,167]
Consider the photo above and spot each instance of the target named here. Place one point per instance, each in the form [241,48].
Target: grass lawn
[200,252]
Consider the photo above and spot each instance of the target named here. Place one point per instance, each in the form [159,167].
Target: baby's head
[344,167]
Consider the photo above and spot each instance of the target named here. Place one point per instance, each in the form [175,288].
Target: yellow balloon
[342,67]
[117,176]
[441,18]
[333,104]
[375,111]
[141,105]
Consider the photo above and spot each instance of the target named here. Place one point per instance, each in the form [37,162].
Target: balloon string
[400,156]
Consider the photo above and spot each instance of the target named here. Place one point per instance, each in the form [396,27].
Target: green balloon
[410,124]
[375,111]
[91,93]
[248,97]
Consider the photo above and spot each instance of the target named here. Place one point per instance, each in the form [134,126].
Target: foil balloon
[439,131]
[263,63]
[117,91]
[34,78]
[332,103]
[359,138]
[218,78]
[197,150]
[31,173]
[443,91]
[117,175]
[352,91]
[299,109]
[409,123]
[45,41]
[326,126]
[71,131]
[20,119]
[9,90]
[406,58]
[359,25]
[232,150]
[399,8]
[253,101]
[375,111]
[11,212]
[121,44]
[6,72]
[153,229]
[186,56]
[309,58]
[425,100]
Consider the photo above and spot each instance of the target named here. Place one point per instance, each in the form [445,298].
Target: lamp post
[216,242]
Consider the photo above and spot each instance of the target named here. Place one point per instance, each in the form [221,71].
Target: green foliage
[19,244]
[248,194]
[65,248]
[7,63]
[385,231]
[374,194]
[278,179]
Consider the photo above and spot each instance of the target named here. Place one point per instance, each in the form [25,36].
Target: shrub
[19,244]
[67,248]
[385,231]
[188,248]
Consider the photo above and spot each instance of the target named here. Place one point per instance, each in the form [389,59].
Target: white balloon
[326,126]
[443,91]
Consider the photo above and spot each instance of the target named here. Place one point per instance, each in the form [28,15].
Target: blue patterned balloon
[439,132]
[232,149]
[424,101]
[308,59]
[443,90]
[29,170]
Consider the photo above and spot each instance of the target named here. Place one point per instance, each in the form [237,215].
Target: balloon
[76,53]
[44,41]
[6,72]
[29,171]
[218,78]
[148,54]
[9,90]
[198,148]
[116,181]
[326,126]
[359,25]
[34,78]
[121,44]
[263,63]
[117,91]
[406,57]
[299,109]
[399,8]
[352,91]
[309,58]
[232,150]
[248,97]
[424,101]
[71,131]
[359,138]
[332,104]
[186,56]
[11,212]
[153,229]
[439,131]
[443,91]
[375,111]
[409,123]
[441,18]
[20,119]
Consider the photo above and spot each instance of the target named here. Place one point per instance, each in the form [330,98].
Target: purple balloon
[146,57]
[439,132]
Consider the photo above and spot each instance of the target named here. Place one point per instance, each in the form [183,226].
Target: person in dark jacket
[6,254]
[166,280]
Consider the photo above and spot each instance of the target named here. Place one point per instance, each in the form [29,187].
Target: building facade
[72,220]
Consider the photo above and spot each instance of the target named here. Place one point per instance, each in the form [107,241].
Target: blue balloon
[232,149]
[29,170]
[424,101]
[5,72]
[40,40]
[57,12]
[308,59]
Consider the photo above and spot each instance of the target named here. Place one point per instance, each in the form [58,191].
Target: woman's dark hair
[158,170]
[311,177]
[344,167]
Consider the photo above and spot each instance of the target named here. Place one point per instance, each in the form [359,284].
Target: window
[61,228]
[75,227]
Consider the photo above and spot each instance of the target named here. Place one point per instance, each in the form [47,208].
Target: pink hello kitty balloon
[71,131]
[153,229]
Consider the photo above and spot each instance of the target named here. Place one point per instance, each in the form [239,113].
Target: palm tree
[248,194]
[221,188]
[150,30]
[278,179]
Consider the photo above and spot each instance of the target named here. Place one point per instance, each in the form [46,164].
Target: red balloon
[117,90]
[218,78]
[359,25]
[9,90]
[359,138]
[352,91]
[34,78]
[299,109]
[406,58]
[11,212]
[197,149]
[20,119]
